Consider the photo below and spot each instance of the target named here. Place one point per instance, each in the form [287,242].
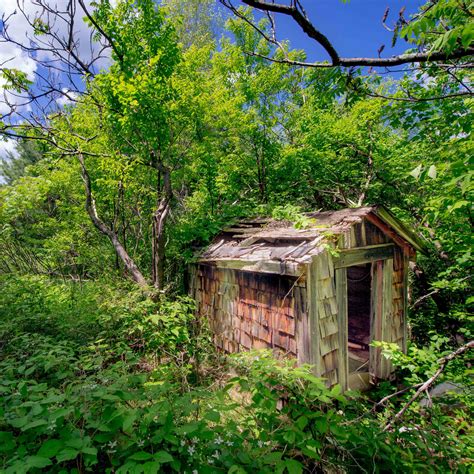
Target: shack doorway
[359,289]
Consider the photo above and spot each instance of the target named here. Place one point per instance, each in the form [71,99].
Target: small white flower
[191,450]
[111,451]
[52,426]
[140,443]
[194,440]
[340,412]
[195,471]
[403,429]
[230,443]
[210,461]
[182,443]
[218,440]
[112,444]
[216,455]
[260,443]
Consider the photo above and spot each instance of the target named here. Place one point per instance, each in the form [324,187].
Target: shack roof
[264,239]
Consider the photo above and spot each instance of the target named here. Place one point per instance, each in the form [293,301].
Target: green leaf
[19,422]
[128,422]
[67,455]
[321,425]
[301,422]
[50,448]
[293,466]
[150,467]
[213,416]
[272,458]
[38,461]
[234,469]
[34,424]
[141,456]
[6,441]
[163,457]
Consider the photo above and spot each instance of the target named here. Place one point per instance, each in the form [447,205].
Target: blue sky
[354,28]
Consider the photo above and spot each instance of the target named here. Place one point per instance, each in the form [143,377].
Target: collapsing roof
[274,246]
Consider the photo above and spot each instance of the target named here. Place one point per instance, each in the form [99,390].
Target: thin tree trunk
[158,228]
[128,262]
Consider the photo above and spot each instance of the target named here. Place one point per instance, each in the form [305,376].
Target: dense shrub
[139,389]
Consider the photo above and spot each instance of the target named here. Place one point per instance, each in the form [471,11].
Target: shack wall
[248,310]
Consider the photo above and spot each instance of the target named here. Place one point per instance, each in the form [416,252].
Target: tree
[130,102]
[14,165]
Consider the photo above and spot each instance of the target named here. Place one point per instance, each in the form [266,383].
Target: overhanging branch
[295,11]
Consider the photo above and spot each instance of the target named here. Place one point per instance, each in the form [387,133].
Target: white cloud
[7,146]
[67,97]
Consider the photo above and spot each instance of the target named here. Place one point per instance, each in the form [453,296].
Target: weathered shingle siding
[249,310]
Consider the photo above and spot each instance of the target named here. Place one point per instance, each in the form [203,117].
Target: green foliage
[444,26]
[97,377]
[292,214]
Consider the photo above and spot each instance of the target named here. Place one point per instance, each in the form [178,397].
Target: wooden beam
[259,266]
[376,310]
[411,237]
[341,298]
[386,367]
[405,264]
[386,229]
[313,317]
[358,256]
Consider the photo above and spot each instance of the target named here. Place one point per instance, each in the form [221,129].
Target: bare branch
[426,385]
[296,12]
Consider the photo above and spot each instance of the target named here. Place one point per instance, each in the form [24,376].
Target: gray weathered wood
[405,303]
[348,258]
[375,317]
[387,329]
[341,298]
[312,295]
[262,266]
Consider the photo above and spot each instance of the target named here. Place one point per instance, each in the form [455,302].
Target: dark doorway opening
[359,283]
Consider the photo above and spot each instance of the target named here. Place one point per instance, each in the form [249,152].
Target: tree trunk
[128,262]
[158,244]
[158,228]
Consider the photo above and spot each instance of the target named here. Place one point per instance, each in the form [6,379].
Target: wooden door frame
[381,259]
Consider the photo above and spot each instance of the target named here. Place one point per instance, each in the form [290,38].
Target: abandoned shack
[319,294]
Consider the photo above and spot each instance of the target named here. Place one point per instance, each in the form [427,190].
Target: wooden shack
[319,294]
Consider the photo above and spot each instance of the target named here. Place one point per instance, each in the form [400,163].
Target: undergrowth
[95,377]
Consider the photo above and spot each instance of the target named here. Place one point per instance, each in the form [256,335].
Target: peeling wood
[350,257]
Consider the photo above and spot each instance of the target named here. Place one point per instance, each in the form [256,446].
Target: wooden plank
[389,232]
[405,303]
[342,323]
[322,266]
[375,317]
[402,230]
[312,308]
[348,258]
[259,266]
[328,344]
[387,334]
